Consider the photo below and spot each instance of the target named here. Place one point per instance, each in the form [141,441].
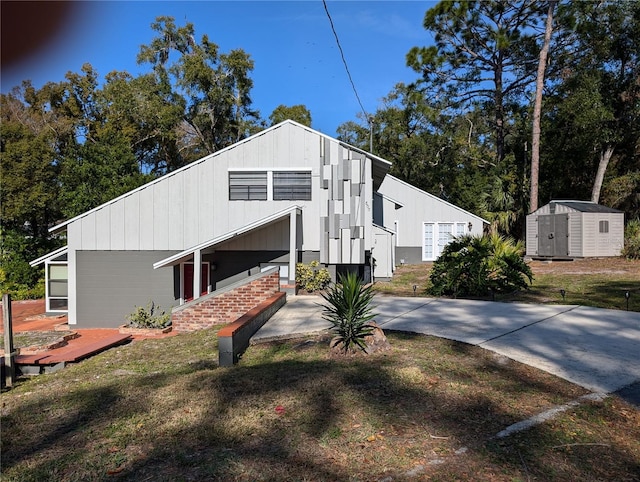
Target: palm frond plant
[349,311]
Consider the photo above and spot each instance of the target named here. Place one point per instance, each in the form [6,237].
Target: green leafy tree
[214,87]
[592,124]
[298,113]
[484,52]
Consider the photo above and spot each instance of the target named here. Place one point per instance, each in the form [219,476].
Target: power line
[344,61]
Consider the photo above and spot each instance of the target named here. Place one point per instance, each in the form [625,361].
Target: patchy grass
[35,339]
[600,283]
[427,410]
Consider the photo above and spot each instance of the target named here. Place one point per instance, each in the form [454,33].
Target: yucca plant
[349,311]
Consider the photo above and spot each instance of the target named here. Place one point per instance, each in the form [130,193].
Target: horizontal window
[248,186]
[292,185]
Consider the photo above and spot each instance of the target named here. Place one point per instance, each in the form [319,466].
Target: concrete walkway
[595,348]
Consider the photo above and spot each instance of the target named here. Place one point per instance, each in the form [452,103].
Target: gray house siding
[113,283]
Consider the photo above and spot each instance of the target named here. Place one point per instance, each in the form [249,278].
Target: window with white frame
[247,185]
[437,236]
[57,287]
[292,185]
[276,185]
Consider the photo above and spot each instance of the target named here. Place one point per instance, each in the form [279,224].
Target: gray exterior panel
[112,283]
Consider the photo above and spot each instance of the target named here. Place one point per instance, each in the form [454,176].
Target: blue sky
[296,57]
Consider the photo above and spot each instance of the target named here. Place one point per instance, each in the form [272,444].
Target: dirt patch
[587,266]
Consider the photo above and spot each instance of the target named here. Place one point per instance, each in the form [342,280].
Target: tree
[537,108]
[484,52]
[214,87]
[593,112]
[298,113]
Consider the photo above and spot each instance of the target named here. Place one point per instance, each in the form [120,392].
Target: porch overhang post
[293,245]
[197,273]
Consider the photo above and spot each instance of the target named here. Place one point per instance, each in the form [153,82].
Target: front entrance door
[187,280]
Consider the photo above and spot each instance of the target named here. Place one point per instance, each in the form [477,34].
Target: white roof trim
[52,254]
[438,199]
[62,225]
[174,259]
[387,198]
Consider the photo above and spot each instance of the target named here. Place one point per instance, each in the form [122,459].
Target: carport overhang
[195,252]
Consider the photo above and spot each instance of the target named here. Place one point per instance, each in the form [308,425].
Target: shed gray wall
[112,283]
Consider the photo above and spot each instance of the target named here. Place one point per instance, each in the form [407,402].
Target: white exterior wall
[419,207]
[191,206]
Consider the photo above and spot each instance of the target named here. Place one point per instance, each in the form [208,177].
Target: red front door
[187,280]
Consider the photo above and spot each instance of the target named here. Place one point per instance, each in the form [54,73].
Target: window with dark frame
[604,226]
[247,185]
[292,185]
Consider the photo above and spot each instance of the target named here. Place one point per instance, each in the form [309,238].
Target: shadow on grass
[269,418]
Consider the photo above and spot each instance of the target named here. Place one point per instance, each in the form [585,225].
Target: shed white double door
[437,236]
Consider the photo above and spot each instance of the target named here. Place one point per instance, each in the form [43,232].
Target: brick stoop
[226,305]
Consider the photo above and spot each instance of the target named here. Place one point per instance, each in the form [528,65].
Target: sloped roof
[586,207]
[380,167]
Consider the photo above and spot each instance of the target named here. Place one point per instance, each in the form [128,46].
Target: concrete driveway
[595,348]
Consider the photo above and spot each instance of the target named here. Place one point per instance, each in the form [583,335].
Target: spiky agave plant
[349,311]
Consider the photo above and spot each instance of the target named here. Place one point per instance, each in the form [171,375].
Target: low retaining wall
[233,339]
[226,305]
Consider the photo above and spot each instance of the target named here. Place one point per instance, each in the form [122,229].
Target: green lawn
[600,283]
[427,410]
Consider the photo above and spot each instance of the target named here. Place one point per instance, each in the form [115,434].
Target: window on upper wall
[292,185]
[604,226]
[248,186]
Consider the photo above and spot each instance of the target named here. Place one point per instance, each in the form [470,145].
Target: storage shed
[574,229]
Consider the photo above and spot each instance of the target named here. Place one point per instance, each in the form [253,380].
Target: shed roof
[586,207]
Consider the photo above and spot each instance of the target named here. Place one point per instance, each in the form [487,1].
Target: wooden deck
[89,342]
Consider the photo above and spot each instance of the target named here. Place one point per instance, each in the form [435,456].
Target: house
[238,217]
[574,229]
[422,223]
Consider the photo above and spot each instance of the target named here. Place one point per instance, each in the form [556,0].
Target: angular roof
[586,207]
[380,167]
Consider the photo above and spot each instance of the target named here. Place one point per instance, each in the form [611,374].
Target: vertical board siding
[103,223]
[147,219]
[88,232]
[176,212]
[192,206]
[161,216]
[132,222]
[117,225]
[191,213]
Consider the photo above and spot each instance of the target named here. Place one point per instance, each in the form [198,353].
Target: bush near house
[311,278]
[479,265]
[632,240]
[149,317]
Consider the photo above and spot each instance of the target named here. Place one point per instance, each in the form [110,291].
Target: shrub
[20,291]
[149,317]
[349,311]
[311,278]
[478,265]
[632,240]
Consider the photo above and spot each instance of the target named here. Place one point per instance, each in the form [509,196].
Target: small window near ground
[248,186]
[604,226]
[292,186]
